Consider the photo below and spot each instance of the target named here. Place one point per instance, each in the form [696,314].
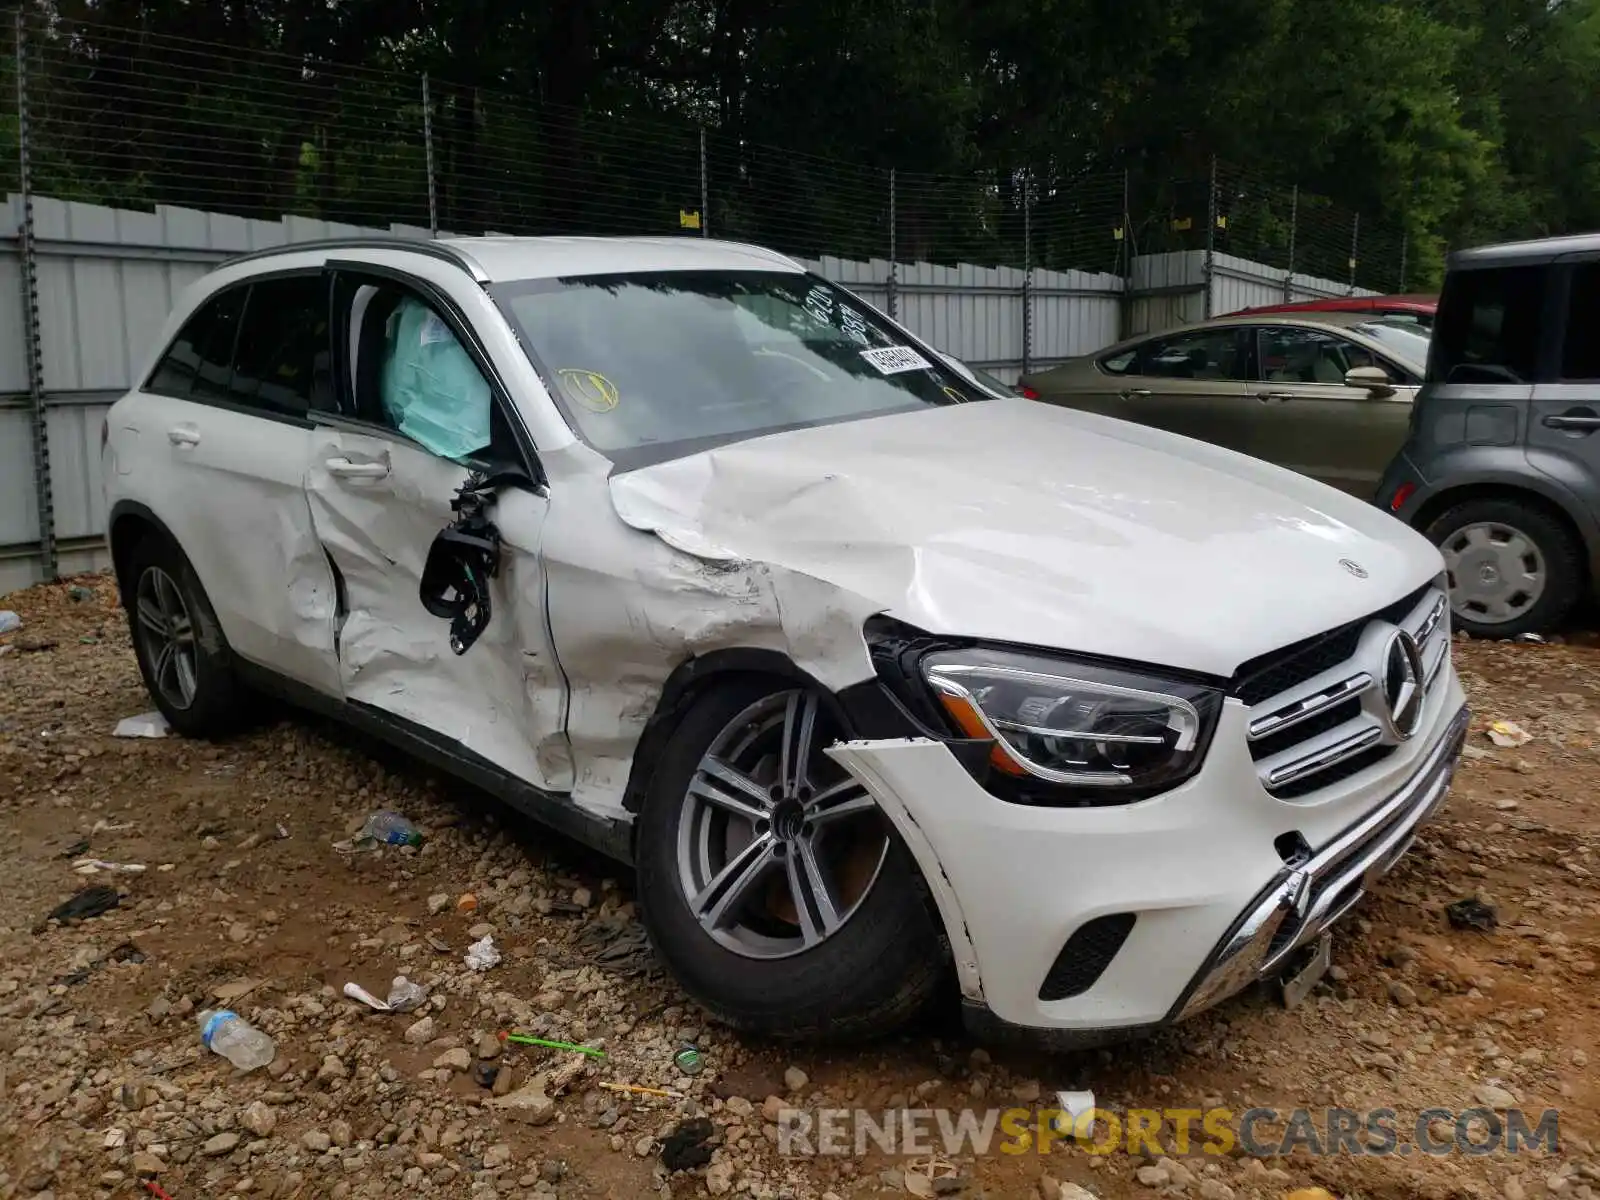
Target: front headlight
[1076,725]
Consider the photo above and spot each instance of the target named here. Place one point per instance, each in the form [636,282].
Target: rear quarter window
[200,358]
[1487,327]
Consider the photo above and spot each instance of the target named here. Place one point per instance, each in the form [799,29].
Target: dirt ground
[248,895]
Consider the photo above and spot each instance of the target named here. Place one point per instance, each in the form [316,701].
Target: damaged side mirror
[465,556]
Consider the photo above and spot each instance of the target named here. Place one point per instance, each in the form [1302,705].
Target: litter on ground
[1508,733]
[145,725]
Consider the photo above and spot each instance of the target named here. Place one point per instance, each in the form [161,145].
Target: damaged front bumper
[1192,884]
[1307,899]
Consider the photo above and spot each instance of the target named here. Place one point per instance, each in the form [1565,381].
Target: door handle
[183,435]
[1130,393]
[343,468]
[1274,397]
[1573,421]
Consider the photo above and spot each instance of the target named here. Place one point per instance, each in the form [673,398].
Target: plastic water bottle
[391,829]
[231,1036]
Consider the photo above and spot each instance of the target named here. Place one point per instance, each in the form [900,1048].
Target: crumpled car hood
[1027,523]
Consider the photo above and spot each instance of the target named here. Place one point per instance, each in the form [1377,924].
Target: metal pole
[427,139]
[893,297]
[705,202]
[1027,272]
[1355,237]
[1294,229]
[1405,243]
[1127,229]
[1211,236]
[31,332]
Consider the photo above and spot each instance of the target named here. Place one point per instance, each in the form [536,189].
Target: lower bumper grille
[1086,955]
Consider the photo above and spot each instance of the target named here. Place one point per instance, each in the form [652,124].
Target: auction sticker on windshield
[892,360]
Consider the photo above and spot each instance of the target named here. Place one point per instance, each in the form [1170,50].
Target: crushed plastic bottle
[391,829]
[482,954]
[231,1036]
[405,996]
[9,621]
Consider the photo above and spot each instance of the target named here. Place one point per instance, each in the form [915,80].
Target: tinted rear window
[1487,330]
[282,363]
[1580,355]
[201,356]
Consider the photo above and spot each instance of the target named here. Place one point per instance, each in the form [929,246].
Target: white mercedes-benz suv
[876,677]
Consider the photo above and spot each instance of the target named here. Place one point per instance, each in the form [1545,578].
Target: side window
[1204,354]
[1122,363]
[1580,353]
[1487,327]
[284,360]
[1293,354]
[411,373]
[201,356]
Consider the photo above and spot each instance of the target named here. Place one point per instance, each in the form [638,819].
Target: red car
[1419,309]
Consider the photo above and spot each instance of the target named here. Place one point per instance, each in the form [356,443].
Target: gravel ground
[248,900]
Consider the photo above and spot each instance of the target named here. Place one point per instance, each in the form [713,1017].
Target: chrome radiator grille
[1328,707]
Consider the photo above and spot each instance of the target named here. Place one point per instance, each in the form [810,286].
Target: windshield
[1408,342]
[654,365]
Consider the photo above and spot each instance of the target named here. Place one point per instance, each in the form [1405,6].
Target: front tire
[771,884]
[179,644]
[1513,567]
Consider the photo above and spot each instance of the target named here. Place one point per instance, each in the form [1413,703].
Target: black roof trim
[432,249]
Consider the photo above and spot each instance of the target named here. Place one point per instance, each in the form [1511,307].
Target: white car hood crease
[1027,523]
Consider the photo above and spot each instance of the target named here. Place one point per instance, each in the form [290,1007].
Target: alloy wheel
[777,844]
[166,633]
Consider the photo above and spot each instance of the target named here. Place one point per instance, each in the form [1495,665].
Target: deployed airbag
[432,390]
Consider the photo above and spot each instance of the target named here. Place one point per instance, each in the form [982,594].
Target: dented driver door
[378,497]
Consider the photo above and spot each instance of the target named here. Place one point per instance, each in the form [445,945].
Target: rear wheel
[772,884]
[1513,567]
[178,643]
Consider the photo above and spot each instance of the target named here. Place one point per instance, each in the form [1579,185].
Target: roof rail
[432,249]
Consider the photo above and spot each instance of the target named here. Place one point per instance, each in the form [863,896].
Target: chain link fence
[1234,210]
[129,119]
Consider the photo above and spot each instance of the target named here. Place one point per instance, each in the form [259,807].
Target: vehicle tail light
[1401,495]
[1026,392]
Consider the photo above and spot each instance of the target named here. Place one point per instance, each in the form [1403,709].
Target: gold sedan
[1325,394]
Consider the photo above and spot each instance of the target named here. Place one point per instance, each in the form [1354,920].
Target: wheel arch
[1441,502]
[128,523]
[688,682]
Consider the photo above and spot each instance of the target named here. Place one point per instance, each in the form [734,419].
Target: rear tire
[1514,568]
[182,654]
[762,966]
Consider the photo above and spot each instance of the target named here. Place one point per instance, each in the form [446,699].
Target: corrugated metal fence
[1191,285]
[104,280]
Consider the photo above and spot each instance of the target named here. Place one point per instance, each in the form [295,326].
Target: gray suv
[1501,468]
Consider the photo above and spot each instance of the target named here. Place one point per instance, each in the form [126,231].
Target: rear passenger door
[420,407]
[1564,418]
[1191,383]
[1310,421]
[225,417]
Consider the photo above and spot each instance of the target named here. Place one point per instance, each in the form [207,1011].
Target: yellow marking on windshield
[590,389]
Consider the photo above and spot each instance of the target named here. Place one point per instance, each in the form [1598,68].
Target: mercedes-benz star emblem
[1355,568]
[1403,683]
